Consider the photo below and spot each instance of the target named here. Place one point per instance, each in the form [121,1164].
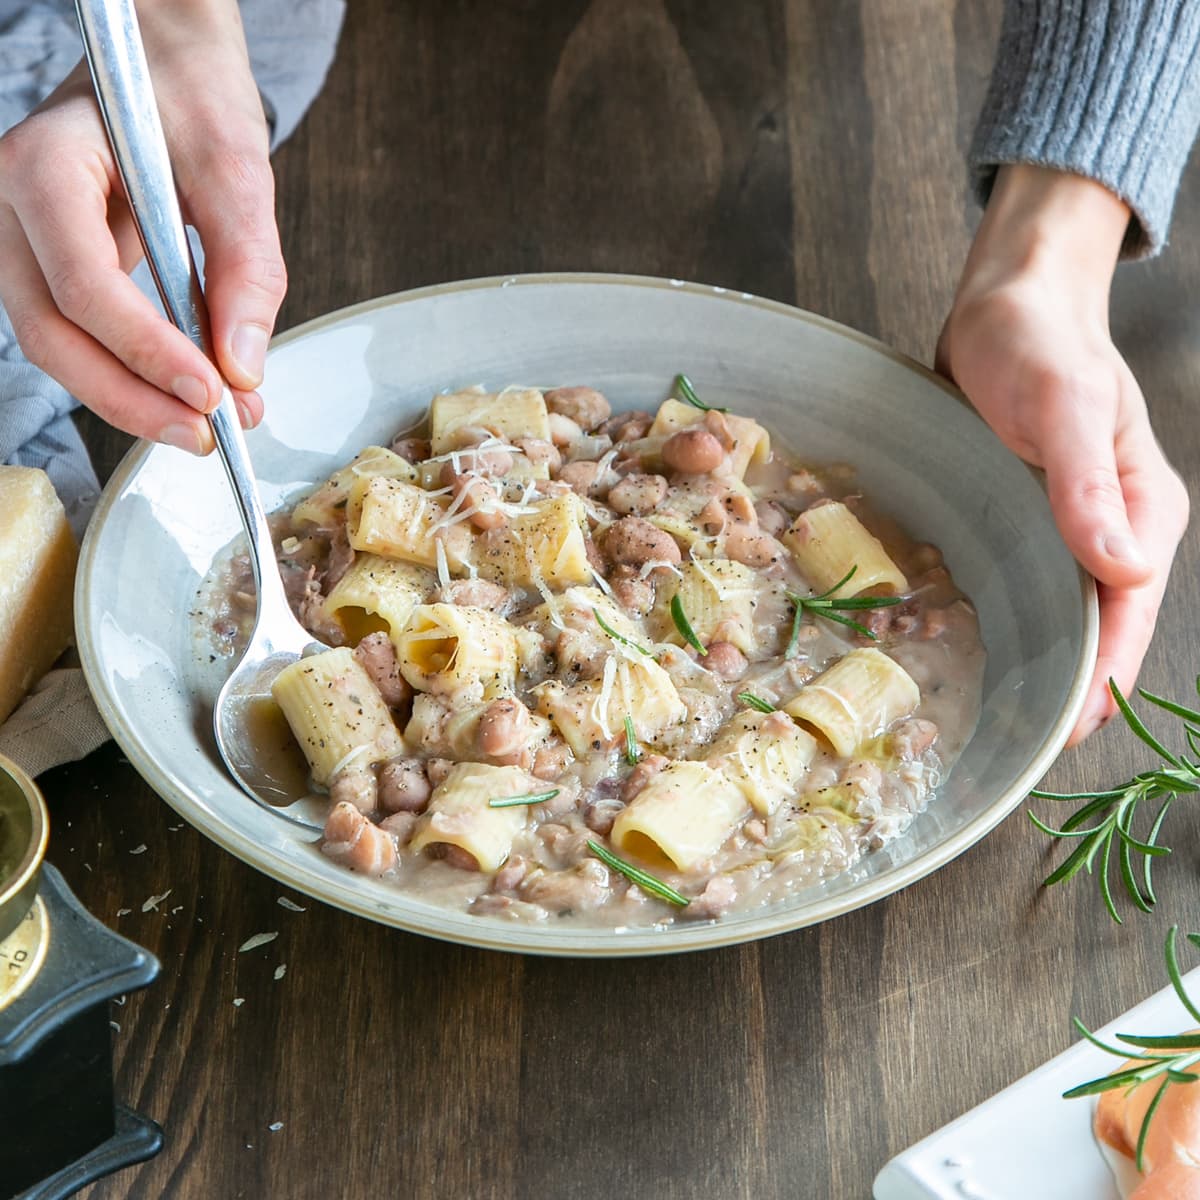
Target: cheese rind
[37,575]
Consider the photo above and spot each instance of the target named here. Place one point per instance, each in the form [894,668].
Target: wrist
[1051,228]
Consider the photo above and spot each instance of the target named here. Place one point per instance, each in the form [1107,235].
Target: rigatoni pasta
[856,699]
[602,668]
[829,542]
[336,713]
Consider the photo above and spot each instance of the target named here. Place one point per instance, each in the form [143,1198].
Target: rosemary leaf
[528,798]
[1153,841]
[685,626]
[829,606]
[683,385]
[832,616]
[632,753]
[1175,976]
[645,881]
[1135,723]
[750,700]
[794,639]
[1180,710]
[612,633]
[1145,1129]
[1178,1041]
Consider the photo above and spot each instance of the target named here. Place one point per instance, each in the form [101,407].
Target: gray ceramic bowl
[355,376]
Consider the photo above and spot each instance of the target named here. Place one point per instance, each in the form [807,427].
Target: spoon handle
[117,60]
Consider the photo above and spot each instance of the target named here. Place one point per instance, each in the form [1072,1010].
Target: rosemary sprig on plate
[683,385]
[527,798]
[1103,824]
[750,700]
[1169,1059]
[685,626]
[826,603]
[632,753]
[612,633]
[643,879]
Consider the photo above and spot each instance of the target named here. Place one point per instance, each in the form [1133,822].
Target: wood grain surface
[807,150]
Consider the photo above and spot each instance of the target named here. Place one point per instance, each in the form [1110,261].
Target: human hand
[67,238]
[1027,340]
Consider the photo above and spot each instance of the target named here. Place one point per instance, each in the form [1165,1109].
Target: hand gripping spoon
[250,733]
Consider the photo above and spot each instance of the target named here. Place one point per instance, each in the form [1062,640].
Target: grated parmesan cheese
[259,939]
[600,706]
[443,569]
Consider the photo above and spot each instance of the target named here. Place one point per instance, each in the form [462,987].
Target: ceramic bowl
[352,378]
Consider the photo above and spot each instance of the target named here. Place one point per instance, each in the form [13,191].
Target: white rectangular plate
[1027,1140]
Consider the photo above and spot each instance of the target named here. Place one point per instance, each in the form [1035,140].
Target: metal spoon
[251,735]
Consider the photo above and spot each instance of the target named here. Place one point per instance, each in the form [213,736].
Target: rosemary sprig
[612,633]
[750,700]
[646,882]
[527,798]
[685,626]
[825,604]
[1103,824]
[1171,1058]
[683,385]
[632,753]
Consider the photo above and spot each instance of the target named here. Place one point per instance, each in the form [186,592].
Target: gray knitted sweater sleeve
[1109,89]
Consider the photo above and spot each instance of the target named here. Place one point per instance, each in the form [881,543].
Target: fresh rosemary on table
[826,603]
[683,385]
[1171,1058]
[643,879]
[1103,824]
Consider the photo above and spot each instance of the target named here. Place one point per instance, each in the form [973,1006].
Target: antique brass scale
[60,1127]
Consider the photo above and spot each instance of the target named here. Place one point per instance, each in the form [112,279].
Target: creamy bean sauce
[843,807]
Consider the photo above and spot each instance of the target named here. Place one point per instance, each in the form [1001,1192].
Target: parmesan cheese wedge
[37,573]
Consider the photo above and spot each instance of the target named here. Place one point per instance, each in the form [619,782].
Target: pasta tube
[399,520]
[715,592]
[324,506]
[514,412]
[827,540]
[459,814]
[591,714]
[378,594]
[684,815]
[336,713]
[752,443]
[545,548]
[765,754]
[856,699]
[447,646]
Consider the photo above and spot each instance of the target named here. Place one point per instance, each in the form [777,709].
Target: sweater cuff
[1107,91]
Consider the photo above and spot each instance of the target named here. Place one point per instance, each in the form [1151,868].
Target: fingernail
[1124,549]
[182,437]
[244,414]
[191,391]
[250,350]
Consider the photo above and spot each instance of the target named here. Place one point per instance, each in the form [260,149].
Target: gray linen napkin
[291,44]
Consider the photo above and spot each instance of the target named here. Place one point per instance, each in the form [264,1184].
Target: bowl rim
[599,941]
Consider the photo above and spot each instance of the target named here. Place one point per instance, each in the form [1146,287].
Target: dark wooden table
[807,150]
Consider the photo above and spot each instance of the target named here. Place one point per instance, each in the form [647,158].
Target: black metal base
[136,1139]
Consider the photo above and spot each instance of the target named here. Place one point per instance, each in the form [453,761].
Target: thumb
[1089,503]
[245,278]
